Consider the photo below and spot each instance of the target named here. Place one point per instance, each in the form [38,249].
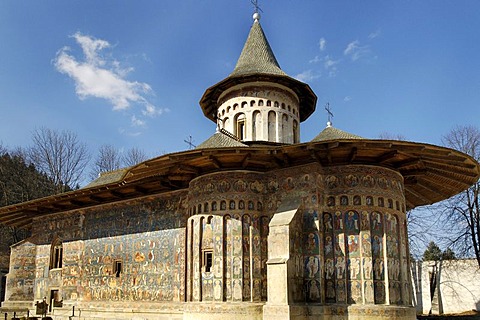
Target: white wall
[457,290]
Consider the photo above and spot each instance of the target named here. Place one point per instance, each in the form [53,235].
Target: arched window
[56,254]
[256,125]
[296,138]
[240,129]
[252,103]
[269,103]
[272,124]
[285,131]
[260,103]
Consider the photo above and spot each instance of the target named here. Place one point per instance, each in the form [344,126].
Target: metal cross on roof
[329,112]
[256,6]
[190,142]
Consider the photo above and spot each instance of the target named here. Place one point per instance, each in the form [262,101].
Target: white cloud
[137,122]
[307,75]
[322,44]
[375,34]
[331,66]
[152,111]
[347,99]
[100,76]
[317,59]
[356,51]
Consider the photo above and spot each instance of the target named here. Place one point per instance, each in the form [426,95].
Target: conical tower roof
[257,56]
[257,63]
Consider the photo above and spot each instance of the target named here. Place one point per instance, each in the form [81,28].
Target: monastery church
[251,224]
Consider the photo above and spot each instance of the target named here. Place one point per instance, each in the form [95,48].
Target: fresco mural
[211,243]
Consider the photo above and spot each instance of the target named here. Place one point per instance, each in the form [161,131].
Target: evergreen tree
[19,182]
[432,253]
[448,254]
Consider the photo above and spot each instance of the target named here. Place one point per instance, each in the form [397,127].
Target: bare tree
[391,136]
[108,159]
[422,227]
[3,149]
[461,213]
[133,156]
[60,155]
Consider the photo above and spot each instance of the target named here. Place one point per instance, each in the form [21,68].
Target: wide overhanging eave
[430,173]
[307,97]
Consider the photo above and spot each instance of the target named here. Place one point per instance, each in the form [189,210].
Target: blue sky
[131,73]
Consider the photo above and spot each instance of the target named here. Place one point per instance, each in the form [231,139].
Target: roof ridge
[229,134]
[332,133]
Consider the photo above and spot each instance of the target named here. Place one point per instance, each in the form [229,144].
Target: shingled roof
[331,133]
[257,56]
[221,139]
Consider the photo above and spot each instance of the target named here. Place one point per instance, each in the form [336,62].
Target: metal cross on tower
[330,114]
[256,6]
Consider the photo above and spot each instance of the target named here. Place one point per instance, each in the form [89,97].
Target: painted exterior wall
[344,245]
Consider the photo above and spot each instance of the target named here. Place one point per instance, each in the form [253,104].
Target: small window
[207,260]
[240,126]
[56,255]
[117,268]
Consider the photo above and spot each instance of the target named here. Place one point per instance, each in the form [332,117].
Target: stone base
[213,311]
[223,311]
[337,312]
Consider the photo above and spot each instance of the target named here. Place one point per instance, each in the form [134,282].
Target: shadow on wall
[477,306]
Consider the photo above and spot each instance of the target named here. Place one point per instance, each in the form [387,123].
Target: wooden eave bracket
[215,162]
